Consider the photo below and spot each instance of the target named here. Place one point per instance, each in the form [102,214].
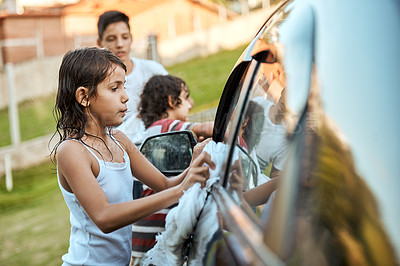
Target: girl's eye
[114,89]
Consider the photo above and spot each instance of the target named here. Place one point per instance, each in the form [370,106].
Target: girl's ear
[81,96]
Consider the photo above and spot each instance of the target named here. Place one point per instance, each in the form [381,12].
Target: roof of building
[97,7]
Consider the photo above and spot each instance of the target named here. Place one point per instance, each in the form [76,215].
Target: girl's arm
[260,194]
[197,150]
[143,170]
[255,196]
[148,174]
[75,165]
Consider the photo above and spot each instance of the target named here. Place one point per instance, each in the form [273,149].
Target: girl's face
[181,111]
[109,107]
[118,39]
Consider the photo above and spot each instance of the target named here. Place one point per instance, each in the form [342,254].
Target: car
[311,105]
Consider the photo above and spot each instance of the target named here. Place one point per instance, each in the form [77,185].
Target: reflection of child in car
[260,189]
[164,106]
[272,148]
[252,125]
[248,138]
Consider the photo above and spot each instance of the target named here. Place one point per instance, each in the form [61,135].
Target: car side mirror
[170,152]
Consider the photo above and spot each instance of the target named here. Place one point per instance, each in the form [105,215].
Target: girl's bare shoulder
[71,148]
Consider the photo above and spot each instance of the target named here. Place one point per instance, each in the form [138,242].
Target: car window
[258,126]
[260,123]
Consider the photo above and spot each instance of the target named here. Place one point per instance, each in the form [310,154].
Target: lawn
[34,221]
[206,77]
[35,120]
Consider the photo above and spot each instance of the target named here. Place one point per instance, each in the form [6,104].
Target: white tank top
[88,245]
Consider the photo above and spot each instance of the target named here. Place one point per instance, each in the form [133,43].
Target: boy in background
[115,34]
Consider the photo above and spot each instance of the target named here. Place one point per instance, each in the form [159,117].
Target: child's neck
[96,131]
[171,114]
[129,66]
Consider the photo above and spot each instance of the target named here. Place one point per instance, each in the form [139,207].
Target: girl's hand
[236,179]
[198,171]
[198,149]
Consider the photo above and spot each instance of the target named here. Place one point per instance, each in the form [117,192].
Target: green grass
[5,138]
[35,120]
[34,220]
[206,77]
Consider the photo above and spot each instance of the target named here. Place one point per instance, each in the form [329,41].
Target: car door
[326,207]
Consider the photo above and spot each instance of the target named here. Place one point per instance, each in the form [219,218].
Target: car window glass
[259,126]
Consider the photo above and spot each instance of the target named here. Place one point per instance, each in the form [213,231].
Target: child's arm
[253,197]
[75,165]
[197,151]
[148,174]
[260,194]
[203,130]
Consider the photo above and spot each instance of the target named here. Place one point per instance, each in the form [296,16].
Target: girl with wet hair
[96,164]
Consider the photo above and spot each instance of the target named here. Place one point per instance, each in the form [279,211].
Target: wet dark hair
[84,67]
[254,117]
[154,99]
[108,18]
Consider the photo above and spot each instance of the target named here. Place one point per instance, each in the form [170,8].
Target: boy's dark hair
[84,67]
[108,18]
[154,99]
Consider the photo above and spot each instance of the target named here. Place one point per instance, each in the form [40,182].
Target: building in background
[31,35]
[33,32]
